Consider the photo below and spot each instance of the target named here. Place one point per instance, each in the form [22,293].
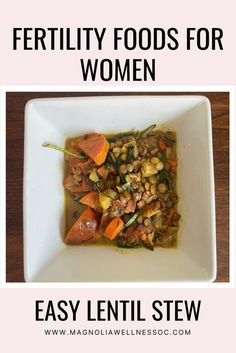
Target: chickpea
[155,160]
[135,176]
[123,168]
[123,199]
[140,219]
[146,195]
[135,165]
[160,166]
[127,179]
[137,196]
[147,186]
[141,204]
[127,195]
[130,168]
[141,188]
[147,221]
[153,189]
[162,188]
[112,145]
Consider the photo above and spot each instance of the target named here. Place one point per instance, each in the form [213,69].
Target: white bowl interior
[47,258]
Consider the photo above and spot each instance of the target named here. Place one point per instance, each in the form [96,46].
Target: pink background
[173,67]
[214,331]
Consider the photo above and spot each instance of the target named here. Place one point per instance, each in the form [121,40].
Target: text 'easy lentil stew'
[123,188]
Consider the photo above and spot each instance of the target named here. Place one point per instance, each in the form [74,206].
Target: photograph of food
[117,187]
[121,189]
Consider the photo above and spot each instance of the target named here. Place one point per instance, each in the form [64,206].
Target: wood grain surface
[15,104]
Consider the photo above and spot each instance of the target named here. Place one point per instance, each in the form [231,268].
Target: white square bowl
[48,259]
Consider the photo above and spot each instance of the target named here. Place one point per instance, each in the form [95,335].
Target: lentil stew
[121,189]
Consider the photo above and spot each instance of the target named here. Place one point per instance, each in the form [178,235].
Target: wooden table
[15,141]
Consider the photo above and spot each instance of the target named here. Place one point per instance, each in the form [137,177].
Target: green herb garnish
[132,219]
[49,145]
[112,158]
[147,131]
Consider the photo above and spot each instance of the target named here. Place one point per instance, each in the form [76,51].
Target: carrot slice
[91,199]
[95,146]
[114,228]
[83,229]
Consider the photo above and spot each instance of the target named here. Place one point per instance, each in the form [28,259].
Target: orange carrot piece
[172,163]
[91,199]
[83,229]
[95,146]
[103,171]
[161,145]
[114,228]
